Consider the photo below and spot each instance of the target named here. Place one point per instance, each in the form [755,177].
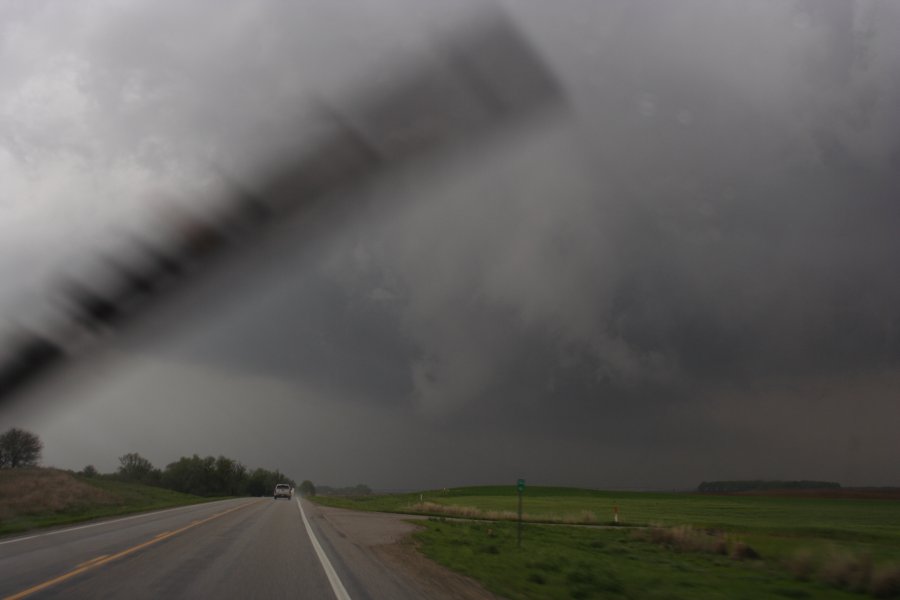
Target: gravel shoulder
[387,538]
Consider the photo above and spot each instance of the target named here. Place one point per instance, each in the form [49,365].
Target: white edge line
[99,523]
[340,592]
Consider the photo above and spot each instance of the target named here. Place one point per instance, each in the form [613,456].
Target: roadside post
[520,489]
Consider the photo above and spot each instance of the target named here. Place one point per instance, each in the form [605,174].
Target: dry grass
[852,572]
[885,582]
[743,551]
[27,492]
[584,517]
[684,538]
[801,565]
[848,571]
[463,512]
[588,517]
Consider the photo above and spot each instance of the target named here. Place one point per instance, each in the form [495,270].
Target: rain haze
[687,270]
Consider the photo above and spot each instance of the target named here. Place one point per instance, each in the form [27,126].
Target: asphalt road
[245,548]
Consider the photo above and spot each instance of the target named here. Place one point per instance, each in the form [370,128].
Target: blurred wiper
[487,76]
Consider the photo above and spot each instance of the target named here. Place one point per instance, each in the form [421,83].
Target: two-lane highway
[244,548]
[230,549]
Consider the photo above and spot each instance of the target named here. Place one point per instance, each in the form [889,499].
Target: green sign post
[520,489]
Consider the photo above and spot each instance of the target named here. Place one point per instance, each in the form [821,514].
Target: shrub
[801,565]
[685,538]
[885,582]
[742,551]
[848,571]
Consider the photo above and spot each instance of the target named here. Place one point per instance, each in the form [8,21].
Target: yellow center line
[92,561]
[105,559]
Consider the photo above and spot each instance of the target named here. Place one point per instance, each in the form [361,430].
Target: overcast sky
[690,270]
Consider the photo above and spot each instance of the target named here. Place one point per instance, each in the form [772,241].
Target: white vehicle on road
[283,490]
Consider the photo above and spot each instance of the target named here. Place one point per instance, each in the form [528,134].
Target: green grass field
[35,498]
[667,545]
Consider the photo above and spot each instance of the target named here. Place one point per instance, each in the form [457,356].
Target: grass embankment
[35,498]
[689,545]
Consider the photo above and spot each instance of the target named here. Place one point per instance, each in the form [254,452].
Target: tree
[89,471]
[262,482]
[361,489]
[307,488]
[199,476]
[259,483]
[19,449]
[134,467]
[230,477]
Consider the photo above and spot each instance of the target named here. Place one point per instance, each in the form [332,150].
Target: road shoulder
[388,539]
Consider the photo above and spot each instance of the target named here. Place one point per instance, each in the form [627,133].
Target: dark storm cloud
[693,275]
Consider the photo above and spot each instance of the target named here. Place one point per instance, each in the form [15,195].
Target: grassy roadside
[689,545]
[826,518]
[578,562]
[37,498]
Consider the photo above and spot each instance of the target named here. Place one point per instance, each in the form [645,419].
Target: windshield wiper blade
[485,77]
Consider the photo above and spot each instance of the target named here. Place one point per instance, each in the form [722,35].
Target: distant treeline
[209,476]
[356,490]
[750,486]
